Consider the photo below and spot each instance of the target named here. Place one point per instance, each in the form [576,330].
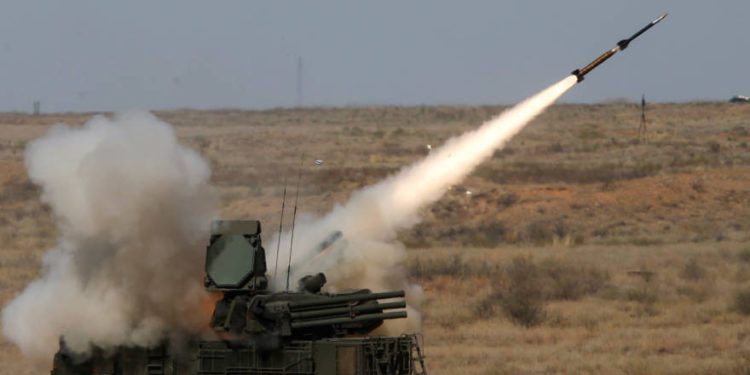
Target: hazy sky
[103,55]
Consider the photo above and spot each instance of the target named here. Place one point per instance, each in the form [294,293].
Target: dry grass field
[635,256]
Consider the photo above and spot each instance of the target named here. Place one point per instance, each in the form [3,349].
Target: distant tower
[299,81]
[37,107]
[642,126]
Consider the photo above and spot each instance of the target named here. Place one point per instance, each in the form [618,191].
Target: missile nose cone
[659,19]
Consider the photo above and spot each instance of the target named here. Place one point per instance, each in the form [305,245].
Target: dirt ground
[575,187]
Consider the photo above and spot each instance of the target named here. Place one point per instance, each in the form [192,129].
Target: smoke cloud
[368,254]
[132,206]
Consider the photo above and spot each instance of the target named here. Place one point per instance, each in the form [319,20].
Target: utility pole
[642,126]
[299,81]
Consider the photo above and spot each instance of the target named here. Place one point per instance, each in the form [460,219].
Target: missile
[621,45]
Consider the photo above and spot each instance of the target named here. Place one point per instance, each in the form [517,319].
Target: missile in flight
[621,45]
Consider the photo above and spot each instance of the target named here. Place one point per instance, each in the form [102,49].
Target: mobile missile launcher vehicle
[260,332]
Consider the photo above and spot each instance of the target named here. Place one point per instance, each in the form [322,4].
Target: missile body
[621,45]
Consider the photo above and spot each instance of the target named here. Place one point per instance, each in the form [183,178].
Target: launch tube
[346,299]
[347,310]
[358,319]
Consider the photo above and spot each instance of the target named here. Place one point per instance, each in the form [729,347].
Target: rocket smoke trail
[133,207]
[368,256]
[372,216]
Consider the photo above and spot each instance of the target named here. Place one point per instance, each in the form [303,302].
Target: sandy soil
[575,184]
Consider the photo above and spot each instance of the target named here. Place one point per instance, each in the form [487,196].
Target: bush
[544,231]
[742,301]
[489,234]
[693,271]
[563,280]
[554,172]
[742,274]
[524,287]
[643,295]
[429,268]
[645,241]
[521,298]
[508,199]
[486,307]
[648,292]
[697,292]
[455,267]
[744,255]
[18,190]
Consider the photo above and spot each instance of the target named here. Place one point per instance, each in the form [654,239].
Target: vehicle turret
[236,266]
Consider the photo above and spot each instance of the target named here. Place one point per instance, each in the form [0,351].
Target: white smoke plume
[368,254]
[133,207]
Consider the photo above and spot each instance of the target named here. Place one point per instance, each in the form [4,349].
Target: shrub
[488,234]
[693,271]
[611,293]
[744,255]
[454,267]
[643,295]
[429,268]
[698,185]
[18,190]
[544,231]
[486,307]
[742,301]
[555,148]
[697,292]
[567,281]
[647,294]
[646,241]
[517,294]
[521,298]
[522,289]
[508,199]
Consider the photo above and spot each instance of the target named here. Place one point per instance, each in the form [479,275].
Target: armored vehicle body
[259,332]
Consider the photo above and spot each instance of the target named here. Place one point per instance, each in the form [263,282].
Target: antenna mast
[294,220]
[299,81]
[642,127]
[278,241]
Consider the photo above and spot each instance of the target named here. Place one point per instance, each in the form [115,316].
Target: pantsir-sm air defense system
[306,332]
[260,332]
